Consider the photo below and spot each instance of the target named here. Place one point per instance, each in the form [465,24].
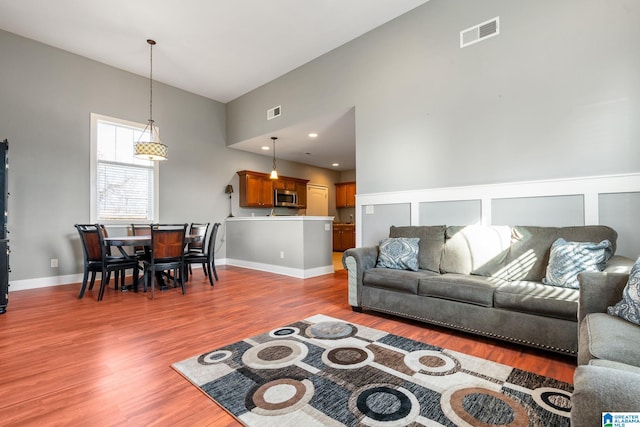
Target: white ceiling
[219,49]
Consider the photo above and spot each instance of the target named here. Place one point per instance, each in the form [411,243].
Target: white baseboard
[68,279]
[278,269]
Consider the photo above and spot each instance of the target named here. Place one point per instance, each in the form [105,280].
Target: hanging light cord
[274,152]
[151,43]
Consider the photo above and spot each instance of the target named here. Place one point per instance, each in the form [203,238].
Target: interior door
[317,200]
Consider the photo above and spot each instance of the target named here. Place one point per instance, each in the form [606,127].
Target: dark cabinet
[4,243]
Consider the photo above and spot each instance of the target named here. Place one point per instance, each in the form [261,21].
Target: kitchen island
[298,246]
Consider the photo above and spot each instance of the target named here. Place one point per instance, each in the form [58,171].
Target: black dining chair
[207,259]
[197,245]
[97,258]
[141,230]
[166,253]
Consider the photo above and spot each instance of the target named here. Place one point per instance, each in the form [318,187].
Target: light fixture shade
[274,174]
[151,150]
[228,189]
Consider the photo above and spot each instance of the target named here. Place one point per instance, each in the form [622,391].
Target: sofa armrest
[619,264]
[598,291]
[356,261]
[598,389]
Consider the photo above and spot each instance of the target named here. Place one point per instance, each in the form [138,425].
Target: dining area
[159,256]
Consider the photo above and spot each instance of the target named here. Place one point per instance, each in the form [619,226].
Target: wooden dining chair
[97,258]
[207,259]
[197,245]
[166,253]
[140,230]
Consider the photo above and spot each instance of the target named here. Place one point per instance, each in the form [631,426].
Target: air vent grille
[480,32]
[274,112]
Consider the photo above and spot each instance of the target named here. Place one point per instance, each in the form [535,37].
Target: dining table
[121,242]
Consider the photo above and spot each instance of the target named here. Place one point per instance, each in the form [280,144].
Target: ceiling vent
[480,32]
[274,112]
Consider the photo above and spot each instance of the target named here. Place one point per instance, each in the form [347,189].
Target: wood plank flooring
[75,362]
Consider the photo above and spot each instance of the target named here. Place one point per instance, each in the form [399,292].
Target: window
[123,187]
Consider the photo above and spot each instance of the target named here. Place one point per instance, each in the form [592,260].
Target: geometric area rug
[322,371]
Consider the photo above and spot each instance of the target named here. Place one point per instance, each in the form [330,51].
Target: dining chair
[207,259]
[97,258]
[166,253]
[197,245]
[140,230]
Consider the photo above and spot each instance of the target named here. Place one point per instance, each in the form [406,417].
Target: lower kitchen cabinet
[344,237]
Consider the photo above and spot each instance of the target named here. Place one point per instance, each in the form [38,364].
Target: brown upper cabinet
[256,189]
[346,195]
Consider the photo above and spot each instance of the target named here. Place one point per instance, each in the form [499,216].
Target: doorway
[317,200]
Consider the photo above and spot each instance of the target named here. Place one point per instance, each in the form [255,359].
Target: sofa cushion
[567,259]
[615,365]
[430,245]
[531,246]
[463,288]
[537,298]
[476,249]
[397,280]
[629,307]
[399,253]
[607,337]
[597,389]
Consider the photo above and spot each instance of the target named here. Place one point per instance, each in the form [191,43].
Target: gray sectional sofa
[608,375]
[485,280]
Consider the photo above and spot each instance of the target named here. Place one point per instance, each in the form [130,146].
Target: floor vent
[480,32]
[274,112]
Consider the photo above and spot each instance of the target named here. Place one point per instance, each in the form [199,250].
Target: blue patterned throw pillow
[400,253]
[629,307]
[567,259]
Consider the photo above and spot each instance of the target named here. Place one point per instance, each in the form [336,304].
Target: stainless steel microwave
[285,198]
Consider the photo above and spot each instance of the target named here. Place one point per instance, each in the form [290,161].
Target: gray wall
[46,98]
[554,95]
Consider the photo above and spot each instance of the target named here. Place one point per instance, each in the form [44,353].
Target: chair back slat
[140,230]
[91,241]
[197,230]
[167,241]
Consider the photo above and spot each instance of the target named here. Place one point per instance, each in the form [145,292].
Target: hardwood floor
[81,362]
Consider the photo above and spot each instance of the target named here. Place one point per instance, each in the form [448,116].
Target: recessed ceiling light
[265,148]
[335,164]
[313,135]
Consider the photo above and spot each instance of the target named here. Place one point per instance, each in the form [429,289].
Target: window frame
[93,166]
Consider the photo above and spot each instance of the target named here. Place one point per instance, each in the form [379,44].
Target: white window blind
[124,188]
[124,192]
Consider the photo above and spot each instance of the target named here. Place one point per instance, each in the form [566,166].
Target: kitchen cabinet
[256,190]
[346,195]
[284,184]
[344,237]
[301,189]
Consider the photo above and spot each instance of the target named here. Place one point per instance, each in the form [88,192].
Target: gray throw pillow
[400,253]
[629,307]
[567,259]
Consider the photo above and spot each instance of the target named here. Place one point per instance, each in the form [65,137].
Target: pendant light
[274,172]
[153,148]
